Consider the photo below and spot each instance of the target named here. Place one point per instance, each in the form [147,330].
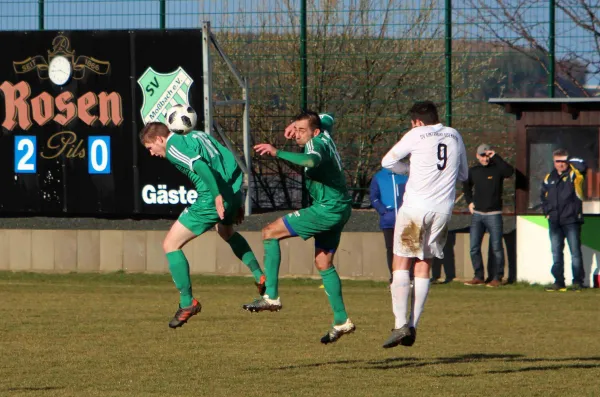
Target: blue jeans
[493,224]
[557,239]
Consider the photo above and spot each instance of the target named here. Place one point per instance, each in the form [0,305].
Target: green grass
[107,335]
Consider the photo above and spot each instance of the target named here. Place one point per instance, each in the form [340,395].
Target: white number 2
[24,154]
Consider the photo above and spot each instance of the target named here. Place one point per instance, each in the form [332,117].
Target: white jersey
[437,159]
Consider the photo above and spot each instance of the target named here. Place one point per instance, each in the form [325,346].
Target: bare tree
[368,60]
[523,26]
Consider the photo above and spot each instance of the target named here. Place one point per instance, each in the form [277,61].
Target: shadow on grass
[33,388]
[327,363]
[413,362]
[400,362]
[511,358]
[533,360]
[545,368]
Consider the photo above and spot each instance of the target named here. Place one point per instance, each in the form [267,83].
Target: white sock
[421,292]
[400,291]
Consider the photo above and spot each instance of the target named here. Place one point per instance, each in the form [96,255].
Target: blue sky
[258,15]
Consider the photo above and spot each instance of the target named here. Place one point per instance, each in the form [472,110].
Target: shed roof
[567,105]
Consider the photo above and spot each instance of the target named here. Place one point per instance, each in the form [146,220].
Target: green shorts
[202,215]
[323,223]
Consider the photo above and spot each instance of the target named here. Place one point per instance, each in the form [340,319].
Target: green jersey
[326,183]
[184,150]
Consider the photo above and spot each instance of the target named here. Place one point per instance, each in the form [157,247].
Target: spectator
[483,193]
[562,196]
[386,192]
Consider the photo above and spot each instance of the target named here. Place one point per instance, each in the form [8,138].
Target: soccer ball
[181,119]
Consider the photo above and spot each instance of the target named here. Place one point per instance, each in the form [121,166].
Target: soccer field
[107,335]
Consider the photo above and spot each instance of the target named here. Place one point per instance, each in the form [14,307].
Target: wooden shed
[543,125]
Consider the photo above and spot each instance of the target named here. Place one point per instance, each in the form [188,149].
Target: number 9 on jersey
[25,159]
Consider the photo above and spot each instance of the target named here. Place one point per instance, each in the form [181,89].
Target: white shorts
[420,233]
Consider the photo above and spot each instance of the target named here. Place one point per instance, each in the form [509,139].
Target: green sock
[333,289]
[180,271]
[242,250]
[272,261]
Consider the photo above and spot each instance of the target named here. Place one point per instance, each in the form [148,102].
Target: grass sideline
[107,335]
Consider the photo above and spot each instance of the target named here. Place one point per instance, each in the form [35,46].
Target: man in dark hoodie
[485,203]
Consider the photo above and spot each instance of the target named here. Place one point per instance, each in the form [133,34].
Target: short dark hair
[153,130]
[560,152]
[426,111]
[314,121]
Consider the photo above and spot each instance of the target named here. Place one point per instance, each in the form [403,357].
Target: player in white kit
[437,159]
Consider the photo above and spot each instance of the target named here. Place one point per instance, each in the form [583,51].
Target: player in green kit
[217,179]
[323,220]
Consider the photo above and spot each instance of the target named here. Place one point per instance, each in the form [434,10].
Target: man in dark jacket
[386,192]
[562,201]
[487,178]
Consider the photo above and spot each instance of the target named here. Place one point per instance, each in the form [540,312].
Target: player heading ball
[218,179]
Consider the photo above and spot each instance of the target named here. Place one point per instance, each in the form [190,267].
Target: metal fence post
[303,58]
[40,14]
[551,48]
[207,79]
[247,151]
[448,59]
[163,14]
[303,79]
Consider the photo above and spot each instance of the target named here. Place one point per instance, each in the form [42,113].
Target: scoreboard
[72,104]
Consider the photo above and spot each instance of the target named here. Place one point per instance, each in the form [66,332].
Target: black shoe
[261,285]
[182,315]
[556,287]
[410,340]
[576,287]
[399,336]
[337,331]
[263,303]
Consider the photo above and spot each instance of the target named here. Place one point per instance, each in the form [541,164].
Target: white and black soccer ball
[181,119]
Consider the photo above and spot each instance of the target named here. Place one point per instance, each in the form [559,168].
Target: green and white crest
[163,90]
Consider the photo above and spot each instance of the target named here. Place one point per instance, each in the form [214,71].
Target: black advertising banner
[168,66]
[71,107]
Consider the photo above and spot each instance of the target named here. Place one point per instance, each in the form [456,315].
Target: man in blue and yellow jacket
[562,201]
[386,192]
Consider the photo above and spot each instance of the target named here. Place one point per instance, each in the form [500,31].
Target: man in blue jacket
[386,192]
[562,201]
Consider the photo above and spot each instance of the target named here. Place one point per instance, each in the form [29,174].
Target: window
[580,142]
